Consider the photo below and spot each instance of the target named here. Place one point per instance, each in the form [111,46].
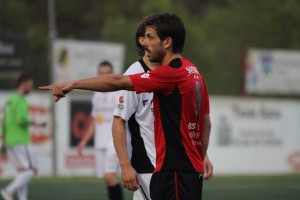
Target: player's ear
[168,42]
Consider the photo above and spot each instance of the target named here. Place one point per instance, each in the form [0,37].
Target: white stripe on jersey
[130,103]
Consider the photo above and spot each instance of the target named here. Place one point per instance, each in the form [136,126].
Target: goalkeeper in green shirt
[16,139]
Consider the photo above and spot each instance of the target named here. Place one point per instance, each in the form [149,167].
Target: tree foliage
[217,30]
[228,30]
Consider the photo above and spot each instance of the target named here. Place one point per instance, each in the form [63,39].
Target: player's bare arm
[103,83]
[88,135]
[208,167]
[206,134]
[128,174]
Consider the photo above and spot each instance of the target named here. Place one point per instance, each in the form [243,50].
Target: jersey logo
[120,106]
[145,75]
[145,102]
[121,99]
[192,70]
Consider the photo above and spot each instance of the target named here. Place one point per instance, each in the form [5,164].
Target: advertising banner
[73,59]
[41,135]
[72,121]
[13,58]
[252,136]
[274,72]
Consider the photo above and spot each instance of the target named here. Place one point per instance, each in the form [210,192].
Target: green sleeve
[23,118]
[3,125]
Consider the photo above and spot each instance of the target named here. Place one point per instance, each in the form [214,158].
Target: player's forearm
[23,119]
[119,137]
[104,83]
[90,132]
[206,134]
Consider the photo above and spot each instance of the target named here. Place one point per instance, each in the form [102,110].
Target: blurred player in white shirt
[107,163]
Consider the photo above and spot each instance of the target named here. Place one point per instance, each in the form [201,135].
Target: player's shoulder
[185,61]
[97,96]
[15,97]
[135,68]
[165,70]
[189,67]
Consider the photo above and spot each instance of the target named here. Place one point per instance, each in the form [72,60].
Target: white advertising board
[255,136]
[41,136]
[249,136]
[73,59]
[72,120]
[274,72]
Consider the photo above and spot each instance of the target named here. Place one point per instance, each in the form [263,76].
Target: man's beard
[157,57]
[27,91]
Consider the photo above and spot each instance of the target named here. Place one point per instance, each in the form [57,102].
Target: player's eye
[148,36]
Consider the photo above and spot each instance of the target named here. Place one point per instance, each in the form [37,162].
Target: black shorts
[176,185]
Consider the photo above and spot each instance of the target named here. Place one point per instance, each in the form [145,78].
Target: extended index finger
[47,87]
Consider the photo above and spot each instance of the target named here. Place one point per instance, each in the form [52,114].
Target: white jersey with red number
[102,111]
[137,111]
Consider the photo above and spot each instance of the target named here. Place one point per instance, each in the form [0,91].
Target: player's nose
[145,42]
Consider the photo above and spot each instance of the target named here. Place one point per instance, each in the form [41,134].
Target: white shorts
[106,161]
[143,193]
[22,156]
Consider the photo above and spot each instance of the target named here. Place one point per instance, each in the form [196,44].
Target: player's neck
[21,91]
[169,57]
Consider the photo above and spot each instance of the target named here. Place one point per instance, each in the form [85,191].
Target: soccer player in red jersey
[181,108]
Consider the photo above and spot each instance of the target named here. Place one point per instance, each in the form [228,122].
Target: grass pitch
[284,187]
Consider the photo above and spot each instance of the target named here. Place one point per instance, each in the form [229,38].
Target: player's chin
[151,59]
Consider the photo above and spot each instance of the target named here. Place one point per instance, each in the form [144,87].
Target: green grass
[285,187]
[68,189]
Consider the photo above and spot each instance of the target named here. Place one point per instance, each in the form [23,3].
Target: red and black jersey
[180,103]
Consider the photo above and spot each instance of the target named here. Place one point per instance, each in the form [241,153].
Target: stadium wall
[249,135]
